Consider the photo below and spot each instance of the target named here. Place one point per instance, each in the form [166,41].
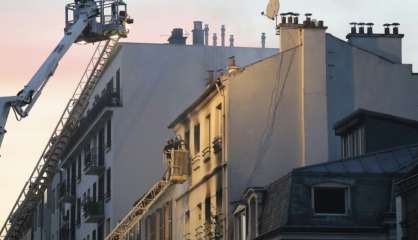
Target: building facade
[120,136]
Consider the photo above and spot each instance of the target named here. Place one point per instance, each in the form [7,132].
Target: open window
[240,223]
[331,199]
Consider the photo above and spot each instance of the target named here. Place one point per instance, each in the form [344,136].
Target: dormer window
[331,199]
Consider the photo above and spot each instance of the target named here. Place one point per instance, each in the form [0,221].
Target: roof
[361,114]
[396,160]
[286,206]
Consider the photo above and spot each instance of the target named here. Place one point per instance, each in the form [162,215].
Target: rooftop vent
[198,33]
[177,37]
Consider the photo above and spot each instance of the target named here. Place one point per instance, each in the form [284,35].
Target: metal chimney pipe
[387,30]
[353,27]
[198,34]
[215,40]
[206,34]
[395,28]
[263,40]
[231,40]
[370,28]
[223,30]
[361,28]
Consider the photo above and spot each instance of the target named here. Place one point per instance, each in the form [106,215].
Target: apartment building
[119,138]
[256,123]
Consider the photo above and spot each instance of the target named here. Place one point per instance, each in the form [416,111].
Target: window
[78,210]
[197,138]
[187,139]
[253,218]
[107,226]
[187,222]
[93,235]
[101,147]
[94,192]
[331,200]
[118,81]
[353,143]
[218,121]
[208,214]
[88,237]
[199,212]
[79,167]
[208,131]
[53,200]
[108,183]
[109,133]
[240,225]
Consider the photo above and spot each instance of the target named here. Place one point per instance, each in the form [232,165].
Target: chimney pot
[387,30]
[263,40]
[283,18]
[198,33]
[231,40]
[395,28]
[361,28]
[353,27]
[370,28]
[321,23]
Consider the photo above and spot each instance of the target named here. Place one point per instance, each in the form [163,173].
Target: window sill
[107,198]
[107,149]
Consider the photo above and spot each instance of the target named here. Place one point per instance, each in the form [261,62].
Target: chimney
[386,44]
[177,37]
[206,35]
[353,27]
[395,28]
[231,40]
[361,28]
[215,40]
[387,29]
[370,28]
[198,33]
[223,35]
[263,40]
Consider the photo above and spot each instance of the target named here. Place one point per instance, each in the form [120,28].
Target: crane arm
[27,97]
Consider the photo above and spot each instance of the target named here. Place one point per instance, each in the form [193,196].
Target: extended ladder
[47,165]
[138,211]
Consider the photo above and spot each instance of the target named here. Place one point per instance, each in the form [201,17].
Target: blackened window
[118,81]
[78,210]
[208,213]
[79,167]
[108,182]
[109,133]
[187,139]
[197,138]
[330,200]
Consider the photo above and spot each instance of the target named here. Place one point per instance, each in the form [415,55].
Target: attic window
[330,200]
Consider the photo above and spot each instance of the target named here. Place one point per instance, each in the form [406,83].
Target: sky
[30,31]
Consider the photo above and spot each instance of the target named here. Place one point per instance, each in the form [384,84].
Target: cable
[275,100]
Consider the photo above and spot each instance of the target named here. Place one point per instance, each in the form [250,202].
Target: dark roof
[278,212]
[396,160]
[360,115]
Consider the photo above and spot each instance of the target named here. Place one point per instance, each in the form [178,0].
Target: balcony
[109,98]
[64,193]
[217,145]
[206,154]
[93,211]
[92,165]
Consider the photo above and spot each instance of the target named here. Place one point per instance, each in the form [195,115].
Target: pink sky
[30,31]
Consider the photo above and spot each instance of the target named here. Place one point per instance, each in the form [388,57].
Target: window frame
[347,188]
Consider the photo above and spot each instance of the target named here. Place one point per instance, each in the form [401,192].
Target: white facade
[155,82]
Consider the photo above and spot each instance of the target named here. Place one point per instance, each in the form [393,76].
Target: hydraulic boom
[86,20]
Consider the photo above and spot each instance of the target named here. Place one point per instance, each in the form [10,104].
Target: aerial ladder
[177,160]
[88,21]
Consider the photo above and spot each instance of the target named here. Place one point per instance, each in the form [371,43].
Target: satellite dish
[272,9]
